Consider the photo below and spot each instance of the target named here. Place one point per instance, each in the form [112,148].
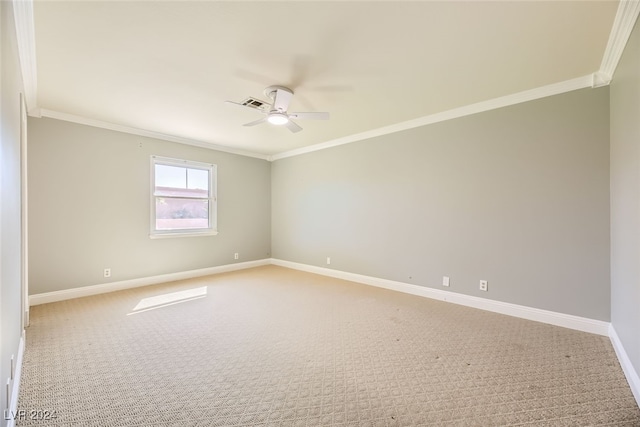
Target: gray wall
[518,196]
[625,199]
[10,200]
[89,208]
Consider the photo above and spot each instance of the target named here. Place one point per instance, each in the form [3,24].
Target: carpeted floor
[276,347]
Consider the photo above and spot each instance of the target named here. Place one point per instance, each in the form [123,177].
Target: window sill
[168,235]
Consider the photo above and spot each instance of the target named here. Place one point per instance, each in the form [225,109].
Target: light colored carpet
[275,347]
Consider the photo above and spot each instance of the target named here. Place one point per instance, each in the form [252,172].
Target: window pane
[171,176]
[176,213]
[177,181]
[198,179]
[183,197]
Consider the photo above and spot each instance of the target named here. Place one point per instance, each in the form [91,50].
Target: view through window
[183,197]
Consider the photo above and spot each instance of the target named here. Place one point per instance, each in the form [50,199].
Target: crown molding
[600,79]
[141,132]
[492,104]
[591,80]
[623,24]
[625,19]
[26,39]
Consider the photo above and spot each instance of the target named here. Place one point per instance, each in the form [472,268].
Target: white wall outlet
[107,272]
[328,260]
[445,280]
[484,285]
[235,256]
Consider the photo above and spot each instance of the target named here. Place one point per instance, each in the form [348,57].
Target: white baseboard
[625,362]
[554,318]
[559,319]
[84,291]
[15,389]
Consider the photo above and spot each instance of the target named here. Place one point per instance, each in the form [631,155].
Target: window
[183,198]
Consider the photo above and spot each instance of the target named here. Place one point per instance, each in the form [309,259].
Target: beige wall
[625,199]
[10,201]
[518,196]
[89,208]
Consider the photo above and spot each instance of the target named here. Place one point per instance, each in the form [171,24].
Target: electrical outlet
[235,256]
[328,260]
[107,272]
[445,280]
[484,285]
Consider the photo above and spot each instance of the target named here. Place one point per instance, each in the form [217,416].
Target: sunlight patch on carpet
[172,298]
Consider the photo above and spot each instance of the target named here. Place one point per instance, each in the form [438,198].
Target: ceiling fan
[276,113]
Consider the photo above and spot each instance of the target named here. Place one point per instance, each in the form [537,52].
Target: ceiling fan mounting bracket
[271,91]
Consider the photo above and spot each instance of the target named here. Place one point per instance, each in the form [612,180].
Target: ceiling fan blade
[282,100]
[235,103]
[253,77]
[256,122]
[238,104]
[292,126]
[299,70]
[310,116]
[251,107]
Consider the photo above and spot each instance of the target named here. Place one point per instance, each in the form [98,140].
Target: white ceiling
[168,66]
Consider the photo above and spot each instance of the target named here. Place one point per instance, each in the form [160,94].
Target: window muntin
[183,200]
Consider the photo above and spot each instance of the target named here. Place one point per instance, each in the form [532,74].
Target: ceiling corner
[600,79]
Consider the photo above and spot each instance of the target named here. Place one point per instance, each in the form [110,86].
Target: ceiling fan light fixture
[276,113]
[277,119]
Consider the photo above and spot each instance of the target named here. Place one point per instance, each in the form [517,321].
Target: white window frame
[213,199]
